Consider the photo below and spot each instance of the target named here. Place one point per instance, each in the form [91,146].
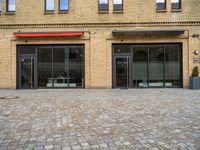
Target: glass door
[27,73]
[122,72]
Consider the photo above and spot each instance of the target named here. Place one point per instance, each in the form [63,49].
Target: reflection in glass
[0,5]
[176,4]
[117,5]
[11,5]
[76,66]
[27,73]
[172,65]
[63,6]
[156,62]
[27,50]
[60,66]
[49,5]
[45,66]
[122,48]
[122,79]
[160,4]
[103,5]
[139,67]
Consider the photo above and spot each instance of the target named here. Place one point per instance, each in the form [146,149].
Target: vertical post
[127,71]
[31,72]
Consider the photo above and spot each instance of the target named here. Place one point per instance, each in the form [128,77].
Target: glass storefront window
[121,48]
[60,66]
[57,66]
[76,65]
[156,64]
[172,65]
[45,68]
[139,66]
[153,65]
[27,50]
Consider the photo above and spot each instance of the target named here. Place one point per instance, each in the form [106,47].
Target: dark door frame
[32,57]
[129,59]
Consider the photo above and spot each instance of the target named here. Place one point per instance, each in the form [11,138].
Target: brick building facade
[83,46]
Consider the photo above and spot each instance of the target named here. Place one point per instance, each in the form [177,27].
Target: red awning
[48,34]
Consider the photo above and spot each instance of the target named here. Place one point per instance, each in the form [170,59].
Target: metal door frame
[34,69]
[129,83]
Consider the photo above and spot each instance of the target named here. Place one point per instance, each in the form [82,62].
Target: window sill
[176,10]
[118,12]
[103,12]
[63,12]
[48,12]
[161,10]
[10,13]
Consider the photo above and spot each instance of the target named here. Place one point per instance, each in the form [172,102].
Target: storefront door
[122,72]
[27,73]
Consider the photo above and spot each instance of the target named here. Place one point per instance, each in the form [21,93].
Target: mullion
[148,66]
[67,51]
[52,73]
[164,65]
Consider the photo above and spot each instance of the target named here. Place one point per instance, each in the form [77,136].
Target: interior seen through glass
[153,65]
[58,66]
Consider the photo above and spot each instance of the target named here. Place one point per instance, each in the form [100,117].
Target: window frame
[7,6]
[165,2]
[45,6]
[60,5]
[118,9]
[103,10]
[1,5]
[180,6]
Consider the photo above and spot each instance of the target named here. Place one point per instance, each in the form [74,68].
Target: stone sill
[161,11]
[118,12]
[10,13]
[176,10]
[63,12]
[48,12]
[103,12]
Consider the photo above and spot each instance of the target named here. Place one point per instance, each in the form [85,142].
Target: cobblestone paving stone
[76,119]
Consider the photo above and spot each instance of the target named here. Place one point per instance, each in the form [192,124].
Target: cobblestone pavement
[100,119]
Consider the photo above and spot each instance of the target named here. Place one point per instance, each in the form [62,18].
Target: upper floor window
[63,5]
[10,5]
[49,5]
[118,5]
[176,4]
[0,5]
[103,5]
[160,4]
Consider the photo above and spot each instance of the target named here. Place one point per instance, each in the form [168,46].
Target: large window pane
[76,65]
[27,50]
[139,67]
[121,48]
[49,5]
[156,58]
[117,5]
[160,4]
[45,66]
[103,5]
[10,5]
[172,65]
[60,65]
[63,5]
[176,4]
